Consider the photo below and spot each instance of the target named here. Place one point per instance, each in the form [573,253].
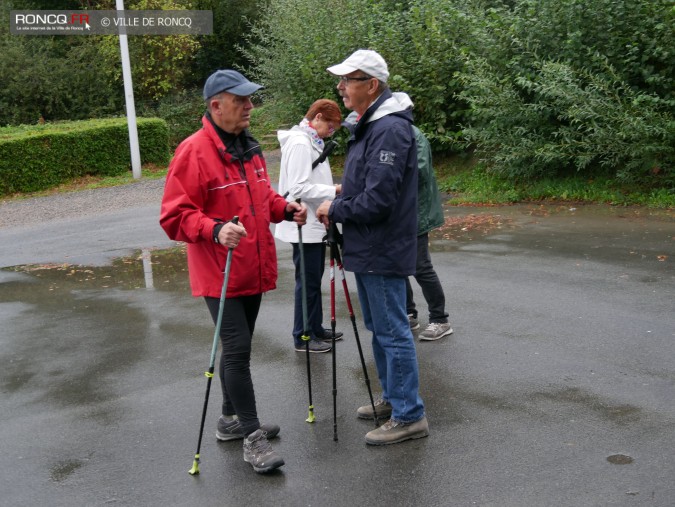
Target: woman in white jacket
[300,147]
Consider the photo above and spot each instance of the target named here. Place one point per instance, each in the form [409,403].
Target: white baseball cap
[365,60]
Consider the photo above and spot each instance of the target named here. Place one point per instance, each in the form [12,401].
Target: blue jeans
[383,303]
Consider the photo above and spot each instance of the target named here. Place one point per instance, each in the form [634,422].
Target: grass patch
[469,182]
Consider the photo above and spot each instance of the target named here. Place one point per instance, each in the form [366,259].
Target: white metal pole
[129,97]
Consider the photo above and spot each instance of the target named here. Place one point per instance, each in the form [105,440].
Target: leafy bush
[414,37]
[573,85]
[51,78]
[37,157]
[540,87]
[182,112]
[159,64]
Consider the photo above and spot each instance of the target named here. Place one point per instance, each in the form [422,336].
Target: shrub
[37,157]
[182,112]
[567,85]
[421,41]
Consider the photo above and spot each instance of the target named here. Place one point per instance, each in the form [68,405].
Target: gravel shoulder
[79,204]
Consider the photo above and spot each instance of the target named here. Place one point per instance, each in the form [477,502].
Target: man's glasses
[345,79]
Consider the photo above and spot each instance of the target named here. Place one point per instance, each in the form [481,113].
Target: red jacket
[206,183]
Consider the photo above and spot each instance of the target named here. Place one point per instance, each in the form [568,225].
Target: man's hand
[299,212]
[231,234]
[322,213]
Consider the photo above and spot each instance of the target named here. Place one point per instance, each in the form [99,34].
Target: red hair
[329,110]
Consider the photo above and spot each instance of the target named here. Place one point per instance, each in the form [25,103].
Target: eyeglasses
[345,79]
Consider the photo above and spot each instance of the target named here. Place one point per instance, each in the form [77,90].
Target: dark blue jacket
[378,204]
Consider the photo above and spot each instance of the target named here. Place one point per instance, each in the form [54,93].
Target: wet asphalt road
[556,388]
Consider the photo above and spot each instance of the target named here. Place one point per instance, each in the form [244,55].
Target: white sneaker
[436,330]
[414,323]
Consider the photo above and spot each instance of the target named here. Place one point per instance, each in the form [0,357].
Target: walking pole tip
[195,466]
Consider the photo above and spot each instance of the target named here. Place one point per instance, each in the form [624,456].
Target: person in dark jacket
[429,217]
[379,191]
[216,174]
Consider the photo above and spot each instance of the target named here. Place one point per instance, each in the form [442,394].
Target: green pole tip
[195,467]
[310,417]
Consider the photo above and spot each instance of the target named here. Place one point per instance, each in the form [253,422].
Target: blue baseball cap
[229,81]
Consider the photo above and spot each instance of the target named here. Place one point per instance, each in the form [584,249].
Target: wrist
[216,231]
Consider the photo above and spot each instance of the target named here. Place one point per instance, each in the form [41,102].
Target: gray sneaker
[383,409]
[393,432]
[259,453]
[414,323]
[315,347]
[232,430]
[436,330]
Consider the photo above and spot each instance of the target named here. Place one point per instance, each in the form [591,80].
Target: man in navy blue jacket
[377,210]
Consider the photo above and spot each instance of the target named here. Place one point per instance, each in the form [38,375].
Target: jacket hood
[385,105]
[397,102]
[296,132]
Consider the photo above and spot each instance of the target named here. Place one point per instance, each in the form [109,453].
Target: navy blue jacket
[378,204]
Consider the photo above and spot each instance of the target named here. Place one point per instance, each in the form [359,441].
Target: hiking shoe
[315,347]
[393,432]
[436,330]
[414,323]
[259,453]
[231,430]
[383,409]
[327,336]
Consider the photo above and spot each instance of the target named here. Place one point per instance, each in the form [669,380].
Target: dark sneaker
[232,430]
[315,347]
[383,409]
[327,335]
[393,432]
[436,330]
[414,323]
[259,453]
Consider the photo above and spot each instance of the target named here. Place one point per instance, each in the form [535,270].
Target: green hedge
[36,157]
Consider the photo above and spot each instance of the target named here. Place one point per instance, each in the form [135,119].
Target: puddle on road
[69,330]
[149,269]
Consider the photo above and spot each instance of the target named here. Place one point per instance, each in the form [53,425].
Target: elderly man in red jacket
[218,173]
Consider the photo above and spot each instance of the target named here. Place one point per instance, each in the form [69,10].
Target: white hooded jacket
[297,177]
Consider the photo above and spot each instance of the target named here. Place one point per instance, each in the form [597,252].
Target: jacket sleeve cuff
[216,231]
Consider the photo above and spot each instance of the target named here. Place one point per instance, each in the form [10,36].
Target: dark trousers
[236,334]
[315,262]
[428,280]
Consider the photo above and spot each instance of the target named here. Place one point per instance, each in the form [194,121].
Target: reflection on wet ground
[68,326]
[150,269]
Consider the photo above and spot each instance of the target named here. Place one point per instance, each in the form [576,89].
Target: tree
[159,63]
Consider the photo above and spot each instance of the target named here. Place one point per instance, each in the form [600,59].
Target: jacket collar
[238,147]
[384,105]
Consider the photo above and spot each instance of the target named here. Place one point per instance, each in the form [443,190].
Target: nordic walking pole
[305,324]
[332,327]
[209,374]
[335,253]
